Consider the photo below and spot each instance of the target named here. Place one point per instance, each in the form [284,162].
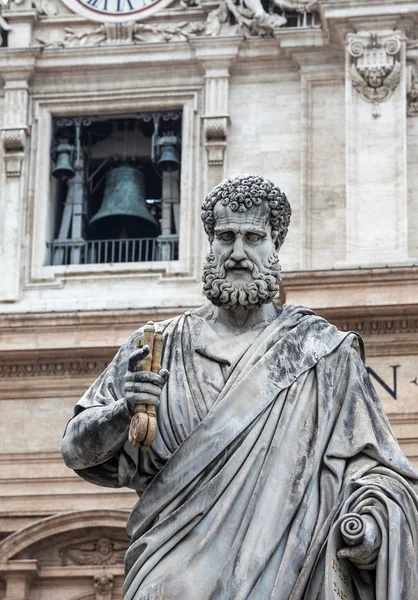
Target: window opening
[116,188]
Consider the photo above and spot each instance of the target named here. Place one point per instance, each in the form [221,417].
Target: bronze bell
[168,160]
[123,212]
[63,170]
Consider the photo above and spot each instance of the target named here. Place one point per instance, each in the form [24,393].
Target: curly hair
[242,192]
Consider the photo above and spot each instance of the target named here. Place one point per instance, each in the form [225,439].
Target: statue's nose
[238,252]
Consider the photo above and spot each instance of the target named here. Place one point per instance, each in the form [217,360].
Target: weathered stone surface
[271,440]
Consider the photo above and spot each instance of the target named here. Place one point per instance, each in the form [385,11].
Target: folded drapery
[254,464]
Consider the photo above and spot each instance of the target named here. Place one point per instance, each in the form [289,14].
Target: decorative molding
[159,33]
[375,65]
[246,18]
[102,551]
[369,326]
[57,368]
[125,33]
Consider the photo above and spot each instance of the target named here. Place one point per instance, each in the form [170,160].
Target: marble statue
[274,473]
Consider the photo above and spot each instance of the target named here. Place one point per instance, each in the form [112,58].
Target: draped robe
[259,451]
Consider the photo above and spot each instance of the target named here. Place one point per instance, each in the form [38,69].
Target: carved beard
[231,295]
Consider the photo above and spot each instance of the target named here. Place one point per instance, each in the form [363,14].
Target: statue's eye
[254,237]
[228,236]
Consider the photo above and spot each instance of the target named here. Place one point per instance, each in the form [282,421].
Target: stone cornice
[355,275]
[80,346]
[339,17]
[69,365]
[355,8]
[18,64]
[143,54]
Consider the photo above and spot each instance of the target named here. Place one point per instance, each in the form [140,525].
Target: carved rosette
[375,66]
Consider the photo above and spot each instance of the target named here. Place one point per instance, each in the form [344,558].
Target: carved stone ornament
[375,67]
[14,139]
[247,17]
[103,587]
[73,368]
[412,91]
[124,33]
[46,8]
[99,552]
[250,17]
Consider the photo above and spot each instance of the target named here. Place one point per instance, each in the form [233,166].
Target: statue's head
[246,219]
[104,546]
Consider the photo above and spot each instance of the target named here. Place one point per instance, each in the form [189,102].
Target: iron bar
[66,252]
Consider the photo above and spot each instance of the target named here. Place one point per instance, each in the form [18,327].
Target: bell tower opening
[115,186]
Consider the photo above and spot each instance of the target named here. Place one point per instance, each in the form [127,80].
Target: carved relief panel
[375,66]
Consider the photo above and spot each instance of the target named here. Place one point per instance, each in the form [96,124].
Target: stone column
[14,135]
[376,149]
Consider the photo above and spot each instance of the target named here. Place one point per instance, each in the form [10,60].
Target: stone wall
[294,104]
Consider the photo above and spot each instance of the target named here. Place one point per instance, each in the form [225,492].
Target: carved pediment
[89,546]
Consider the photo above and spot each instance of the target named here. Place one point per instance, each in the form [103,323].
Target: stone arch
[64,522]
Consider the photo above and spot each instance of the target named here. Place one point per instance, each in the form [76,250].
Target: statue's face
[242,236]
[104,546]
[242,267]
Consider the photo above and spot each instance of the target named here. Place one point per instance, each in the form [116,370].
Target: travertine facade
[326,108]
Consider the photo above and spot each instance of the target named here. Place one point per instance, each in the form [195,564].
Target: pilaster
[14,135]
[216,57]
[376,209]
[18,575]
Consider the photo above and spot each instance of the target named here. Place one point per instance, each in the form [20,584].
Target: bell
[123,212]
[168,160]
[63,170]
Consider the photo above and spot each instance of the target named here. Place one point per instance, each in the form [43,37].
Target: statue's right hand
[142,387]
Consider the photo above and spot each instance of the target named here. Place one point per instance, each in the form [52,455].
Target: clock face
[116,10]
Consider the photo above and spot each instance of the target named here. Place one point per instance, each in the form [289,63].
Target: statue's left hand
[365,554]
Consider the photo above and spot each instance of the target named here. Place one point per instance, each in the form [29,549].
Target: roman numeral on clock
[121,4]
[99,4]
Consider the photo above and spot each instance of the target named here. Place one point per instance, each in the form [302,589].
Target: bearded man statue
[274,474]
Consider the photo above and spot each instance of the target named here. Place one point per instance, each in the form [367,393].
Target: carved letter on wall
[375,66]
